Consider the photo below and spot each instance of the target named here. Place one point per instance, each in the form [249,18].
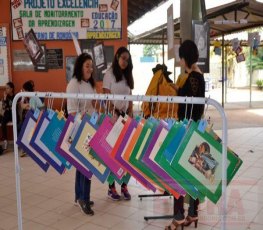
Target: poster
[33,47]
[4,55]
[99,56]
[41,65]
[56,19]
[201,37]
[199,160]
[70,62]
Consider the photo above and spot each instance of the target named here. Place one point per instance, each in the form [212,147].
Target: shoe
[23,153]
[91,203]
[125,193]
[5,145]
[189,220]
[175,225]
[85,208]
[112,194]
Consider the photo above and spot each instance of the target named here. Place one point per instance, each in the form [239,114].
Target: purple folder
[155,167]
[23,140]
[102,148]
[126,164]
[41,148]
[67,154]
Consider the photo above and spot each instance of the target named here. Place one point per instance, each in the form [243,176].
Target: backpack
[160,86]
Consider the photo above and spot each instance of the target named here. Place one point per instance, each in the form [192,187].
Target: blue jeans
[82,187]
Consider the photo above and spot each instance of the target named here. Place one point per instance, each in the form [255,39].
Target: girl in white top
[119,80]
[83,83]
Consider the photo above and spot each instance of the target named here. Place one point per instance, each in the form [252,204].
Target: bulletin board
[5,69]
[57,19]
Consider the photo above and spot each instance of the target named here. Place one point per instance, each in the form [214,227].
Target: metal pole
[223,70]
[250,80]
[226,85]
[224,171]
[163,44]
[17,165]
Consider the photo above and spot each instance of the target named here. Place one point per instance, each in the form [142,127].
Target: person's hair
[78,68]
[189,52]
[118,72]
[206,147]
[29,86]
[11,85]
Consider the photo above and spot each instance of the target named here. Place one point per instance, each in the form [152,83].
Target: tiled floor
[47,198]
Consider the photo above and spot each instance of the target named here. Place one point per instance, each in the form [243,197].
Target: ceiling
[225,19]
[137,8]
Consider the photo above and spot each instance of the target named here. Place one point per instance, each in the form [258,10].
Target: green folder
[140,148]
[165,164]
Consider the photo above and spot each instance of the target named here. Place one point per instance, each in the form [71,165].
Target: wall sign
[54,19]
[54,58]
[22,61]
[5,72]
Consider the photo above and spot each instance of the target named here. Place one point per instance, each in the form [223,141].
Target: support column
[189,10]
[186,19]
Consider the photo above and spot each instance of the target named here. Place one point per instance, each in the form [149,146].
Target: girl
[7,108]
[119,80]
[194,86]
[82,82]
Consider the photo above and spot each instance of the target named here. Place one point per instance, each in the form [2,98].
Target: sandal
[175,224]
[190,219]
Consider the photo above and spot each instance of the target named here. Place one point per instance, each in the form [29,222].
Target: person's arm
[107,81]
[72,104]
[109,105]
[130,108]
[96,105]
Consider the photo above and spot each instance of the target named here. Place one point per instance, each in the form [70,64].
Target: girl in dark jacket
[194,86]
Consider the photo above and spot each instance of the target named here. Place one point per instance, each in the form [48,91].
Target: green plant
[151,50]
[259,83]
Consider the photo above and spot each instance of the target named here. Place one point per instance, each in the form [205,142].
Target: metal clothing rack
[157,217]
[139,98]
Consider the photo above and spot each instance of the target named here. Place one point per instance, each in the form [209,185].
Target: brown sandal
[175,225]
[190,219]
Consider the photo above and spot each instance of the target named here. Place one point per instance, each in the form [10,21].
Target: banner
[54,19]
[5,73]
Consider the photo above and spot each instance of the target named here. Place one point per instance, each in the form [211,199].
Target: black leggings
[7,117]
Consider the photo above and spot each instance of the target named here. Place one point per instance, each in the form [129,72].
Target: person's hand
[174,86]
[25,106]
